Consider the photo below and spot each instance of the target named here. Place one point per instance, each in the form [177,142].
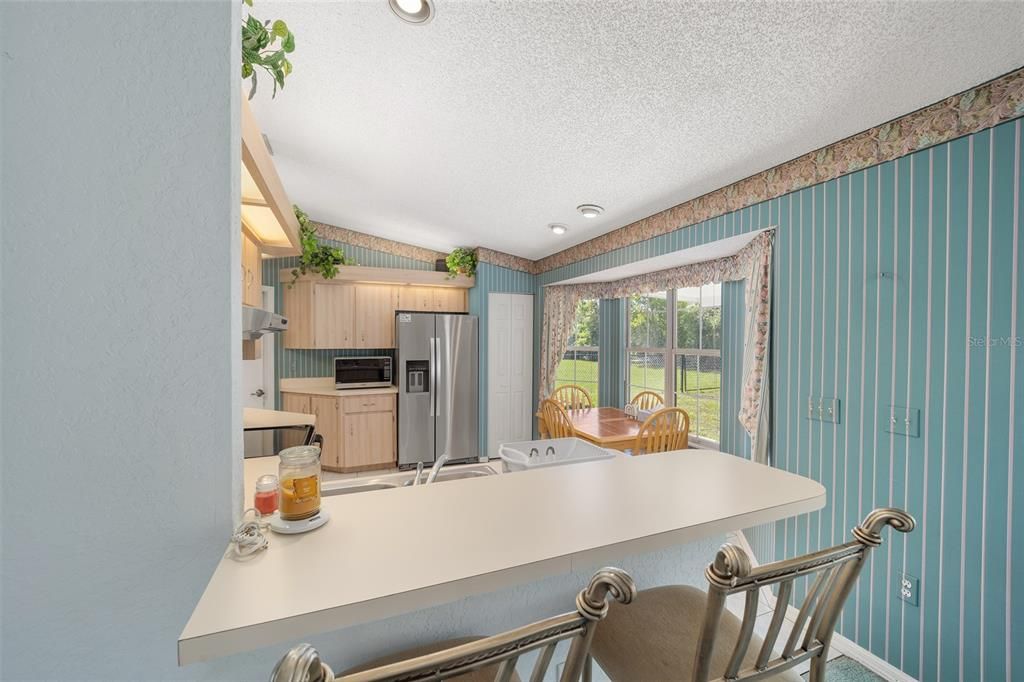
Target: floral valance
[752,263]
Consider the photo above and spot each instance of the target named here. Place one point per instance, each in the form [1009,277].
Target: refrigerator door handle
[433,376]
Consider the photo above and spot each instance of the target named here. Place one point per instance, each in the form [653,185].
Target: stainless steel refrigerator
[438,388]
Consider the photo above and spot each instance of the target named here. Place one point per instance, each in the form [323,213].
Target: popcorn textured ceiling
[500,117]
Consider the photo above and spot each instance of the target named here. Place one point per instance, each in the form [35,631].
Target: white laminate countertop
[554,519]
[325,386]
[256,418]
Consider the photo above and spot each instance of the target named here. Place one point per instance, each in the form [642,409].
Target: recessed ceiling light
[558,228]
[590,210]
[413,11]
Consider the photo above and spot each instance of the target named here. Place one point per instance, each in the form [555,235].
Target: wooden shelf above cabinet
[361,274]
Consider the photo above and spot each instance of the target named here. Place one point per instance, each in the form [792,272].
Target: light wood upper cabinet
[449,300]
[375,306]
[348,312]
[333,316]
[416,298]
[252,273]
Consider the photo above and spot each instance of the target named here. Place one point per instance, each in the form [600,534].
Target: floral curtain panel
[752,263]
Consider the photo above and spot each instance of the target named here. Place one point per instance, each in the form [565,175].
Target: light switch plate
[823,409]
[902,420]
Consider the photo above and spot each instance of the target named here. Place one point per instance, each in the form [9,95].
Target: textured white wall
[120,304]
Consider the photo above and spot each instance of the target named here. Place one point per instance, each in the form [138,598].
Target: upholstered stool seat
[482,675]
[656,638]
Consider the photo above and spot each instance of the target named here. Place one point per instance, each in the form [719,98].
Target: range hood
[257,322]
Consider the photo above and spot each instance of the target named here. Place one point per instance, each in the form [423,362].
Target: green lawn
[584,373]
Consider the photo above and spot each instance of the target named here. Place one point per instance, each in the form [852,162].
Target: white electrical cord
[248,538]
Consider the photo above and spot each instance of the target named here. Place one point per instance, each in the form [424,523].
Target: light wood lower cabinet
[299,403]
[328,425]
[359,431]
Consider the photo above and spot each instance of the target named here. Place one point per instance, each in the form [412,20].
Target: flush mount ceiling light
[590,210]
[413,11]
[558,228]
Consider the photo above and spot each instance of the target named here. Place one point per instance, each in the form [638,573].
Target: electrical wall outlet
[908,588]
[823,409]
[902,420]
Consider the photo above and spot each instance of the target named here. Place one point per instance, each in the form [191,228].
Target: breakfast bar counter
[391,552]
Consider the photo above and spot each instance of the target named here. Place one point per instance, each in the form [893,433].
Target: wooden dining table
[608,427]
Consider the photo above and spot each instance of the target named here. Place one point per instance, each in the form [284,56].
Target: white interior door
[258,386]
[509,369]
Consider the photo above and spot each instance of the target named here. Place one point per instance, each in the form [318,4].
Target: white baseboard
[846,647]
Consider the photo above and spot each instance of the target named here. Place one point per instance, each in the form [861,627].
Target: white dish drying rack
[548,452]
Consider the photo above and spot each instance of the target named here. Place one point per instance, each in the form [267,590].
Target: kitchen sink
[454,474]
[404,480]
[358,488]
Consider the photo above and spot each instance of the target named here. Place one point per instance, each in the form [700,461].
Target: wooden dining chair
[680,632]
[666,429]
[648,400]
[483,659]
[572,397]
[555,420]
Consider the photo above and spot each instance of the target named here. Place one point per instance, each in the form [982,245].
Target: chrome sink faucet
[419,473]
[436,469]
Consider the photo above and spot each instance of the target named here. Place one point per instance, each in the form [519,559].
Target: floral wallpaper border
[347,236]
[974,110]
[505,260]
[981,107]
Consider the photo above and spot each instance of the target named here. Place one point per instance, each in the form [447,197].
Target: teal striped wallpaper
[733,438]
[611,339]
[492,279]
[899,285]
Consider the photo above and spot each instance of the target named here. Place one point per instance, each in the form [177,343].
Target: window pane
[648,321]
[646,373]
[710,391]
[688,318]
[711,316]
[584,329]
[579,367]
[698,391]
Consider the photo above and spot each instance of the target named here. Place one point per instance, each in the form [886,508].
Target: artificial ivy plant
[461,261]
[260,50]
[316,257]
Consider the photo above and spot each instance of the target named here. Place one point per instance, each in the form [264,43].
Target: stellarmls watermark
[995,341]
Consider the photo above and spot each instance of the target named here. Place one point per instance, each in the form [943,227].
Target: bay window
[674,348]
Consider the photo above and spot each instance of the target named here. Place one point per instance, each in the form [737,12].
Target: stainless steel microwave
[366,372]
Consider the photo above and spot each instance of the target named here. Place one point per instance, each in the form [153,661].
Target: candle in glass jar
[266,494]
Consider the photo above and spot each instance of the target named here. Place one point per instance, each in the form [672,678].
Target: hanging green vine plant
[461,261]
[261,50]
[316,257]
